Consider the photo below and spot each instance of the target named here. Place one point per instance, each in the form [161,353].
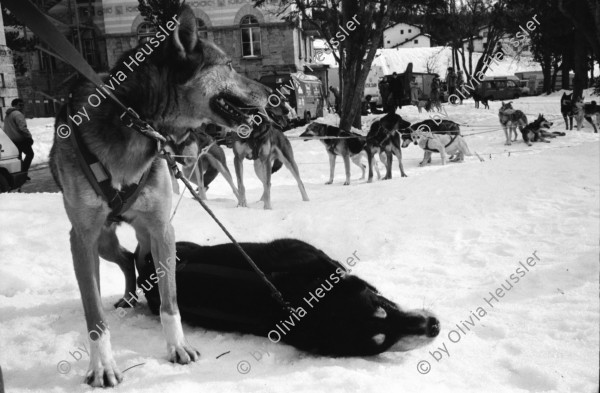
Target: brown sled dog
[211,163]
[510,119]
[269,149]
[387,135]
[181,82]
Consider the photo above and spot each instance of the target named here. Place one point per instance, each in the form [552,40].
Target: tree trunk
[555,68]
[580,65]
[356,67]
[547,71]
[565,79]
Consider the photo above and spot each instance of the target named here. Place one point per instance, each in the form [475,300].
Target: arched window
[250,36]
[145,31]
[202,29]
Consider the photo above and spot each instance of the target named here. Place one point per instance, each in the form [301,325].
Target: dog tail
[276,166]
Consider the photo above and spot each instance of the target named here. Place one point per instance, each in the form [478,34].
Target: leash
[318,138]
[178,175]
[35,20]
[193,170]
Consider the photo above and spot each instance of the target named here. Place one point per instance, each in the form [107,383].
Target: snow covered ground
[443,239]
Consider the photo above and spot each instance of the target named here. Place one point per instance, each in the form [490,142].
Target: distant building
[258,41]
[8,83]
[404,35]
[480,43]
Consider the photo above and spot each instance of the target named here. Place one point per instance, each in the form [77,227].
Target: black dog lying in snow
[217,289]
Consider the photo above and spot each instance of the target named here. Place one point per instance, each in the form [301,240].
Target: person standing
[336,95]
[397,90]
[459,84]
[435,91]
[451,81]
[414,91]
[15,126]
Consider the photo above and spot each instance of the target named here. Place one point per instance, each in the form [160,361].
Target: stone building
[8,83]
[258,41]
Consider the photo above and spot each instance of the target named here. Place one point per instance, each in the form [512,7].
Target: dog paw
[242,204]
[103,375]
[122,303]
[404,175]
[347,183]
[183,354]
[329,182]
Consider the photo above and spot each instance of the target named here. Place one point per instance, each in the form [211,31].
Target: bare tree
[353,30]
[159,12]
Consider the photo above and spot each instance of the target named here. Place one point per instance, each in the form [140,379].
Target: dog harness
[119,201]
[435,150]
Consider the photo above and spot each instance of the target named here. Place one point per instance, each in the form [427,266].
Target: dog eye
[378,338]
[380,313]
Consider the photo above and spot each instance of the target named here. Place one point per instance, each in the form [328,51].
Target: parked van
[422,79]
[305,93]
[500,88]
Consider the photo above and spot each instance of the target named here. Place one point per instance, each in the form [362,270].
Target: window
[416,41]
[250,36]
[401,31]
[410,30]
[511,84]
[89,50]
[47,62]
[202,29]
[2,85]
[388,41]
[145,31]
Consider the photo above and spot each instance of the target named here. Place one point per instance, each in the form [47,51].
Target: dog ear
[185,35]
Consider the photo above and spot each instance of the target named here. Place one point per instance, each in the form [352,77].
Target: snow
[439,59]
[42,130]
[443,239]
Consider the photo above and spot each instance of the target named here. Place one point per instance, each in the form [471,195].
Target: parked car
[500,88]
[305,93]
[11,176]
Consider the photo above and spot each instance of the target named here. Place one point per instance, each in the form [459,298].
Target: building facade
[258,41]
[480,43]
[404,35]
[8,82]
